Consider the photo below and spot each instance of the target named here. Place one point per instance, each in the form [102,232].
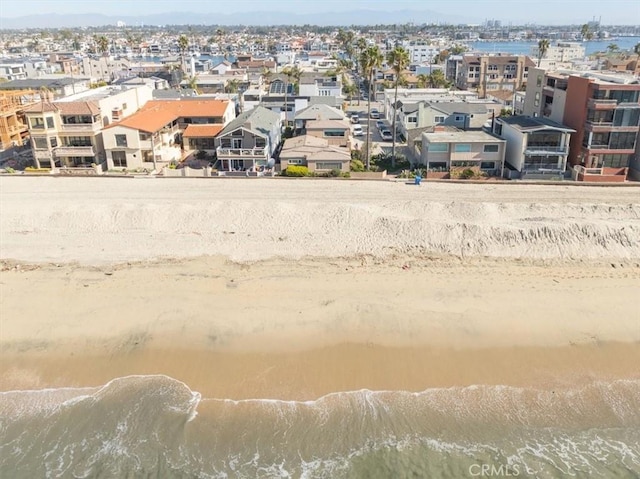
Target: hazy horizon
[563,12]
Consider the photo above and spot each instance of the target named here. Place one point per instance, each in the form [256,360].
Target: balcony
[70,127]
[597,104]
[74,151]
[546,150]
[42,154]
[242,152]
[467,156]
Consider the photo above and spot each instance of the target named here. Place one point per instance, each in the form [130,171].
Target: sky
[564,11]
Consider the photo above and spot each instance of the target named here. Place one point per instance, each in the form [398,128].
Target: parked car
[386,135]
[355,118]
[380,124]
[375,114]
[357,130]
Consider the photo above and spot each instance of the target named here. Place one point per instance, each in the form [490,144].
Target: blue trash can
[417,180]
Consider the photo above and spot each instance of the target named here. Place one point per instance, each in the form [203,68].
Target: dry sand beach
[297,290]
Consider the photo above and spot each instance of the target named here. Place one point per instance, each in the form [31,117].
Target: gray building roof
[458,107]
[319,111]
[36,83]
[530,123]
[259,120]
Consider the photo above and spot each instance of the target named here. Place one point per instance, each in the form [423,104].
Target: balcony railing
[553,149]
[74,151]
[80,126]
[466,156]
[599,104]
[239,152]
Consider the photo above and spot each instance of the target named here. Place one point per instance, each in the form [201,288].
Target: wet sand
[290,329]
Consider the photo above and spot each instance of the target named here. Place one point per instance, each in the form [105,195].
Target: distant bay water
[524,47]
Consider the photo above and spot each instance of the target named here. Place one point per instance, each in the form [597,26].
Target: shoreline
[311,374]
[286,329]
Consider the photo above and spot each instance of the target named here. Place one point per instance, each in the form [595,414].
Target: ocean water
[155,426]
[524,47]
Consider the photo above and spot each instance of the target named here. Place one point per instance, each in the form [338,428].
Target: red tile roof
[158,113]
[202,131]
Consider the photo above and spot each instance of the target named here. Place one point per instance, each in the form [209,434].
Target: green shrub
[9,170]
[346,174]
[335,173]
[294,170]
[172,166]
[356,165]
[467,173]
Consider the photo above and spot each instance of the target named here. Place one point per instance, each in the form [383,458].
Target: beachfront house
[448,152]
[248,142]
[537,147]
[315,153]
[69,132]
[315,112]
[336,132]
[165,131]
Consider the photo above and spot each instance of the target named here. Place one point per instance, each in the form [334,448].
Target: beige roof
[65,107]
[313,149]
[323,124]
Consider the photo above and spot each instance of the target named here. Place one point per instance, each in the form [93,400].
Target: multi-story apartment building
[68,132]
[559,55]
[101,68]
[603,108]
[484,73]
[537,148]
[11,69]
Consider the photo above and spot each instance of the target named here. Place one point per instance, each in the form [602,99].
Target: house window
[459,118]
[412,119]
[124,105]
[50,123]
[260,142]
[53,142]
[76,140]
[37,123]
[462,148]
[438,147]
[439,119]
[119,159]
[334,133]
[144,136]
[616,161]
[328,165]
[147,156]
[237,133]
[121,140]
[225,143]
[41,143]
[487,165]
[491,148]
[295,161]
[539,80]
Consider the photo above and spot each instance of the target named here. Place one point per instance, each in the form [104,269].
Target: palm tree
[232,86]
[398,59]
[423,80]
[370,59]
[102,44]
[436,79]
[636,49]
[183,44]
[266,75]
[585,32]
[543,47]
[350,90]
[290,73]
[193,84]
[612,48]
[361,46]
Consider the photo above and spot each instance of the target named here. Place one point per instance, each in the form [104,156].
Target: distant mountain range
[355,17]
